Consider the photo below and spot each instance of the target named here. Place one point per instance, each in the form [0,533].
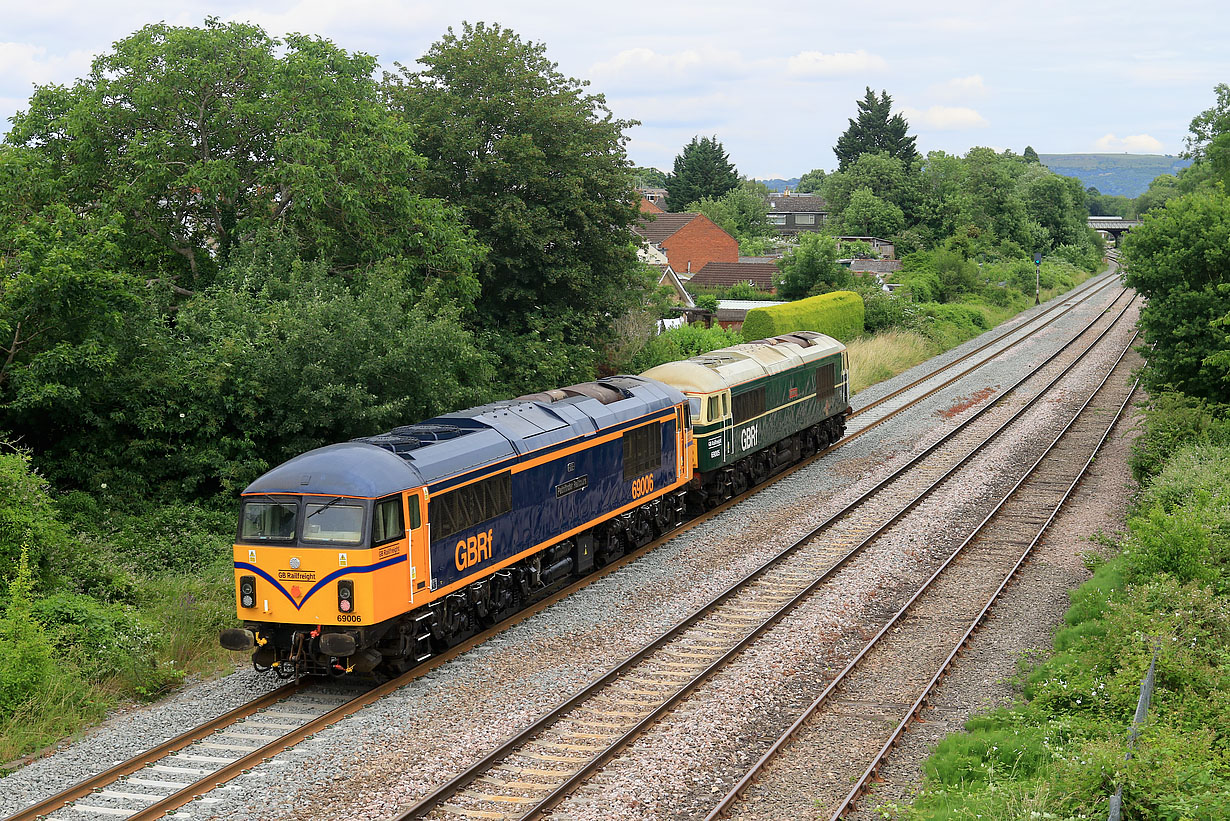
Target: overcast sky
[775,82]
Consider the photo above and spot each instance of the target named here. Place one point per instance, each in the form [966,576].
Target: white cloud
[1136,143]
[27,63]
[945,118]
[819,64]
[644,67]
[961,88]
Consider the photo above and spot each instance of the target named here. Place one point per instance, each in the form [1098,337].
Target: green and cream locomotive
[758,407]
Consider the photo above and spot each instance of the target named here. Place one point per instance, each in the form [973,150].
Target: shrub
[839,314]
[950,325]
[25,652]
[29,520]
[1172,420]
[681,343]
[882,310]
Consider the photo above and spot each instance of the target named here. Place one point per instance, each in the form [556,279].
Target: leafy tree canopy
[702,170]
[888,177]
[648,177]
[200,139]
[875,130]
[1210,124]
[1030,155]
[866,215]
[1179,260]
[812,182]
[741,212]
[539,171]
[811,268]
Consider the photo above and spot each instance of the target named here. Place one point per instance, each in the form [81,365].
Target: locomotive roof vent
[604,392]
[393,442]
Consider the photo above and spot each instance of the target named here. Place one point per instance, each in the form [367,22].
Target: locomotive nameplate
[571,486]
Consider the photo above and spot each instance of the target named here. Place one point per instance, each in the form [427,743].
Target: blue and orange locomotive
[383,551]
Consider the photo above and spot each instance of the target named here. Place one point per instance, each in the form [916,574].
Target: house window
[642,450]
[465,507]
[748,405]
[777,219]
[804,219]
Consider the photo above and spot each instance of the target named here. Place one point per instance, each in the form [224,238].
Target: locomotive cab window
[473,504]
[387,524]
[416,516]
[268,521]
[334,522]
[642,450]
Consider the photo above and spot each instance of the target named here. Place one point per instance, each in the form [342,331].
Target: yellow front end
[322,586]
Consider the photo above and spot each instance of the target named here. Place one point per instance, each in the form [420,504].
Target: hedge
[839,314]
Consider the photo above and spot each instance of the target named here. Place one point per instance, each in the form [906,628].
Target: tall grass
[884,355]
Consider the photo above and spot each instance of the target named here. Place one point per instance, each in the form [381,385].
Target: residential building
[687,242]
[790,214]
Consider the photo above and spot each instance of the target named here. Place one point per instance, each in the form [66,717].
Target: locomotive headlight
[247,591]
[345,595]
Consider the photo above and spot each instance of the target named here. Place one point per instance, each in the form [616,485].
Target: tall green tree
[199,139]
[876,130]
[1030,155]
[888,177]
[812,182]
[811,268]
[1179,260]
[866,215]
[741,212]
[702,170]
[539,170]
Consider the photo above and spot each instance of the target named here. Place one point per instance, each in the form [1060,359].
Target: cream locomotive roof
[726,367]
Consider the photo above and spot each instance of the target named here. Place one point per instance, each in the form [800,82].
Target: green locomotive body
[759,406]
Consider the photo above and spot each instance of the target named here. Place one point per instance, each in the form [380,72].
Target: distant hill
[1126,175]
[782,185]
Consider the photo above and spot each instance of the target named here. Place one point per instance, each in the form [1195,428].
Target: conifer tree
[702,170]
[877,130]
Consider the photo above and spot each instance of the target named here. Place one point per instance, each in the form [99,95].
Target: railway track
[909,395]
[540,767]
[870,704]
[188,766]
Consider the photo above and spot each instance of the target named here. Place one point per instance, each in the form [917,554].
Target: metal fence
[1142,712]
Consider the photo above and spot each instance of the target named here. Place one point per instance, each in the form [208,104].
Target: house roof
[875,266]
[760,274]
[797,203]
[662,226]
[649,207]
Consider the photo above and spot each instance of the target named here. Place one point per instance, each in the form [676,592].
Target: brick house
[687,241]
[790,214]
[648,206]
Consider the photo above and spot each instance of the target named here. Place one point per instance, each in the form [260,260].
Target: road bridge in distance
[1113,226]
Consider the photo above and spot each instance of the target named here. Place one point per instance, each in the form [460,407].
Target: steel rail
[881,420]
[1107,280]
[736,792]
[871,770]
[454,786]
[171,745]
